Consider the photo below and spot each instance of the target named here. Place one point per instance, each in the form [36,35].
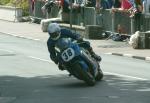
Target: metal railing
[109,21]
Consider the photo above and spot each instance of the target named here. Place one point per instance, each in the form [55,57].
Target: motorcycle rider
[55,32]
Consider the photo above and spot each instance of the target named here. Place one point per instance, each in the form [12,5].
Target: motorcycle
[78,61]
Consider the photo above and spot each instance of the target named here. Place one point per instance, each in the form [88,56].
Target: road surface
[27,75]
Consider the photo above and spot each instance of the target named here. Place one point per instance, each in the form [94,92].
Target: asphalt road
[28,76]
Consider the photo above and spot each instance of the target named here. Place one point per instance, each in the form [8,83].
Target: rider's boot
[61,67]
[95,56]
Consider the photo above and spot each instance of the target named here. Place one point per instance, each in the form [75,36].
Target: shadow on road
[60,86]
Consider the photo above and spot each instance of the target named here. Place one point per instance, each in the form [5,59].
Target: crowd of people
[131,6]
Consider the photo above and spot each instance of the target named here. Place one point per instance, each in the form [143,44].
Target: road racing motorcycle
[78,61]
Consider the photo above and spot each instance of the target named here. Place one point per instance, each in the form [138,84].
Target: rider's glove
[80,39]
[61,67]
[55,61]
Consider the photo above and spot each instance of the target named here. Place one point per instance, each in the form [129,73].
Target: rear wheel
[99,75]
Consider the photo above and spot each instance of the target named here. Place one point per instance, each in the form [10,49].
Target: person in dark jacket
[55,33]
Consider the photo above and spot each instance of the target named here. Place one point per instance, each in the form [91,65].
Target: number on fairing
[68,54]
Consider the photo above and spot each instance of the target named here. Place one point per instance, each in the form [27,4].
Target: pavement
[33,31]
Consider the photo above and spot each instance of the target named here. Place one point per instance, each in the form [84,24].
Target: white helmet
[54,31]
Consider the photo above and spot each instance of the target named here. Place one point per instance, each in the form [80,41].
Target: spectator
[146,6]
[32,4]
[132,2]
[111,3]
[76,4]
[124,7]
[101,5]
[76,8]
[133,9]
[46,7]
[98,4]
[91,3]
[117,4]
[139,5]
[125,4]
[138,15]
[104,4]
[65,6]
[50,8]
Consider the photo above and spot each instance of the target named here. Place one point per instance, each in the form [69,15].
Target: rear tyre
[99,75]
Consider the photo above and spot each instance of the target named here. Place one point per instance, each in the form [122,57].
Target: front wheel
[90,80]
[86,76]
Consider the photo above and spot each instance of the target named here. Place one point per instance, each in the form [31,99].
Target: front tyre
[86,76]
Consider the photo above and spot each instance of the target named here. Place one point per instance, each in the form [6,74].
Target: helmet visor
[55,35]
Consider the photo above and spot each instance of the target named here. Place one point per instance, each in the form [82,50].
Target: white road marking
[20,36]
[6,50]
[41,59]
[121,75]
[127,76]
[147,58]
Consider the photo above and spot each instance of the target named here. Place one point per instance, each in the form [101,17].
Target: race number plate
[68,54]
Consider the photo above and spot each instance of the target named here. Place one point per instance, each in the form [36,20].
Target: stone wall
[10,13]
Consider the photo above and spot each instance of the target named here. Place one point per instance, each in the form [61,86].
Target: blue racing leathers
[64,33]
